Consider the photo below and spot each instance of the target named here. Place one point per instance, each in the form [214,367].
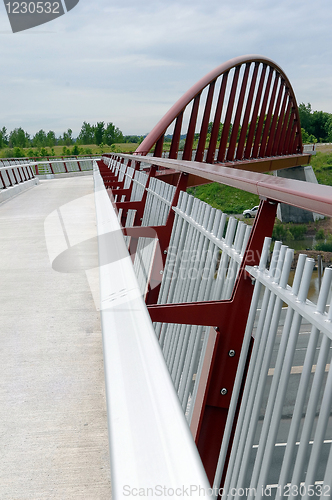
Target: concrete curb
[64,175]
[10,192]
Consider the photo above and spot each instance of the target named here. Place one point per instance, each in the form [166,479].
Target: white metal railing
[150,443]
[307,429]
[158,201]
[283,434]
[202,263]
[52,166]
[60,166]
[11,175]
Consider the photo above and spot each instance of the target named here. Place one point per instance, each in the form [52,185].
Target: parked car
[251,212]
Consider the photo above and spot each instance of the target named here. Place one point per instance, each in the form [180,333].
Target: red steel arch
[260,118]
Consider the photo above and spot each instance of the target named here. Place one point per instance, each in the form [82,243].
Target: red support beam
[3,182]
[205,123]
[272,138]
[275,147]
[244,129]
[19,173]
[9,178]
[164,235]
[228,117]
[261,119]
[64,164]
[252,128]
[267,124]
[24,173]
[158,150]
[173,152]
[238,114]
[188,147]
[15,176]
[79,165]
[281,145]
[230,326]
[216,122]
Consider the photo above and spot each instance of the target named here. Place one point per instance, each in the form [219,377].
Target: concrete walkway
[53,428]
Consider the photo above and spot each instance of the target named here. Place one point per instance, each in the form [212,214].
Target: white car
[251,213]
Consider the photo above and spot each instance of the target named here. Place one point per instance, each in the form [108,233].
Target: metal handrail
[150,441]
[313,197]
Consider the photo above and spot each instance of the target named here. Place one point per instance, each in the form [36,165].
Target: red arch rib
[278,131]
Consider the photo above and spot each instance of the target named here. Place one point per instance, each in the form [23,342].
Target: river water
[314,287]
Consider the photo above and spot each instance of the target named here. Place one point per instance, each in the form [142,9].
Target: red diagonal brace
[120,192]
[229,319]
[162,233]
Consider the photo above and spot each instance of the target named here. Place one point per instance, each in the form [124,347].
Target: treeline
[90,134]
[316,125]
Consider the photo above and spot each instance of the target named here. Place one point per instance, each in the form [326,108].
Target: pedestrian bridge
[216,365]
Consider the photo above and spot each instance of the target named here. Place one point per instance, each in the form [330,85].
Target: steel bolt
[165,252]
[231,353]
[216,328]
[223,391]
[161,272]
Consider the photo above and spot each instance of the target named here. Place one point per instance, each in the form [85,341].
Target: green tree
[19,138]
[112,134]
[319,120]
[305,113]
[50,139]
[67,137]
[87,134]
[328,128]
[39,139]
[306,138]
[75,151]
[3,137]
[132,138]
[315,123]
[209,130]
[99,132]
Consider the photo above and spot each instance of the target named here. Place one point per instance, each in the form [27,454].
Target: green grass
[290,231]
[228,199]
[322,166]
[234,201]
[324,247]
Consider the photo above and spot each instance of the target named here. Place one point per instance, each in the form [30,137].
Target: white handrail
[150,442]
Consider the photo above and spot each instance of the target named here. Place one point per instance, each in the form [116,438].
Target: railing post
[79,165]
[223,366]
[3,182]
[64,164]
[164,235]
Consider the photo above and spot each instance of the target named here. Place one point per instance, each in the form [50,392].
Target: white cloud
[129,62]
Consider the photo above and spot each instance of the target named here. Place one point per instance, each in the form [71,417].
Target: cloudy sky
[128,62]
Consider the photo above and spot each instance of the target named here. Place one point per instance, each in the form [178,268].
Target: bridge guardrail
[189,349]
[15,178]
[150,443]
[250,464]
[11,175]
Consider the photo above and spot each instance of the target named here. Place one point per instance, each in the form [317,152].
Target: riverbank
[313,254]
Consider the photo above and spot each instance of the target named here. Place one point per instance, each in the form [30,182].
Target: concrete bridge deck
[53,427]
